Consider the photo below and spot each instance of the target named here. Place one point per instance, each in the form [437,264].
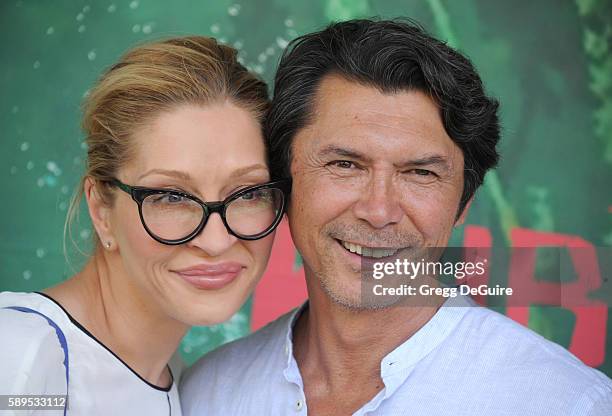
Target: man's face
[371,171]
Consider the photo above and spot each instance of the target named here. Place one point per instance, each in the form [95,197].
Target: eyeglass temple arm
[125,188]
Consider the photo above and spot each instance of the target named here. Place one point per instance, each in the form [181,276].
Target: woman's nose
[214,239]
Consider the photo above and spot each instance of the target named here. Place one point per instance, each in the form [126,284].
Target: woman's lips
[210,276]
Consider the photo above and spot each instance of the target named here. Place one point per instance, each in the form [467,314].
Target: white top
[100,383]
[466,361]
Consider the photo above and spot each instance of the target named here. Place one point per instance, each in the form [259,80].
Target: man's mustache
[363,235]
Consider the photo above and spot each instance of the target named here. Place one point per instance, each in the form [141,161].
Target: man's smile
[365,251]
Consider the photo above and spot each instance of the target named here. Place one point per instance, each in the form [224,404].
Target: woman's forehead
[220,140]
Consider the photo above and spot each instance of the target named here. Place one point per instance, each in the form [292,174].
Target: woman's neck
[122,316]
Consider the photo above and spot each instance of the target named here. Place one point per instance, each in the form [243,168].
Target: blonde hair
[148,80]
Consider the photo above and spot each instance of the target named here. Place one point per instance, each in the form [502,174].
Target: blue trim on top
[90,335]
[62,341]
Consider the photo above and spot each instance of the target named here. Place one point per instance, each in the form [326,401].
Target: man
[386,133]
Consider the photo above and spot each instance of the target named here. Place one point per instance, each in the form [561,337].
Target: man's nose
[214,239]
[379,203]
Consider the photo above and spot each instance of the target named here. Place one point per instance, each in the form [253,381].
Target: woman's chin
[211,314]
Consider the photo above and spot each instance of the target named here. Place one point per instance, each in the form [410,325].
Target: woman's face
[208,152]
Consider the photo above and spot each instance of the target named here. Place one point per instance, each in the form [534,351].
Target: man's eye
[423,172]
[343,164]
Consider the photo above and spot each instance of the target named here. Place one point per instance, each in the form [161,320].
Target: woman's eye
[169,199]
[175,198]
[248,196]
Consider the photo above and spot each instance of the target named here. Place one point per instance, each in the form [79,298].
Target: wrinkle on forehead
[405,112]
[333,88]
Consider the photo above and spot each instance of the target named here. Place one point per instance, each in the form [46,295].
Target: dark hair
[393,56]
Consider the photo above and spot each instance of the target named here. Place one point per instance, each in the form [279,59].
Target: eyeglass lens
[174,217]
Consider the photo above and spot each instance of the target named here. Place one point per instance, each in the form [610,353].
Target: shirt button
[299,405]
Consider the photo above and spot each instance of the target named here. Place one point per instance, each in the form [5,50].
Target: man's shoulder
[250,354]
[497,332]
[261,342]
[497,343]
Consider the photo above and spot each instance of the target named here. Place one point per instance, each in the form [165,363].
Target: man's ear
[461,219]
[99,212]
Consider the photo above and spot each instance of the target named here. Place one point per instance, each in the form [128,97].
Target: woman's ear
[99,212]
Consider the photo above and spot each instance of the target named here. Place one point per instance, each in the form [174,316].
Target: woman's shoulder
[30,311]
[30,343]
[23,315]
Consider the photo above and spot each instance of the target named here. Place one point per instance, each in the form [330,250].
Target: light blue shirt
[467,360]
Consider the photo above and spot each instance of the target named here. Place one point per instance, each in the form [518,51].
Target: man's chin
[351,299]
[360,305]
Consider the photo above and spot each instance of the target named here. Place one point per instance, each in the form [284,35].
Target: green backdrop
[548,61]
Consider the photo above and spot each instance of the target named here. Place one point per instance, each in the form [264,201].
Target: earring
[108,244]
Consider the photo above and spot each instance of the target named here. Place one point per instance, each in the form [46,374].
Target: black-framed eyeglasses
[172,217]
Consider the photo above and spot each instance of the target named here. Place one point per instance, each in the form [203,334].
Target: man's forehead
[346,110]
[341,103]
[335,88]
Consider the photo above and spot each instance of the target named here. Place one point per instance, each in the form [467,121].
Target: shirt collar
[292,372]
[396,366]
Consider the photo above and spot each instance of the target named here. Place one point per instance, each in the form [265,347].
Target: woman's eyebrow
[256,168]
[173,173]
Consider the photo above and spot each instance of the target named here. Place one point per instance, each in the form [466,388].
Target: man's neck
[338,348]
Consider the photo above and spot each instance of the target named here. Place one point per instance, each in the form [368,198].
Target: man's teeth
[369,251]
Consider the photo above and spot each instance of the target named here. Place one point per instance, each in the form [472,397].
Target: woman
[180,197]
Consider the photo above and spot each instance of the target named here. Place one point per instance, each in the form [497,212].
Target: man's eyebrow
[173,173]
[333,150]
[428,160]
[436,160]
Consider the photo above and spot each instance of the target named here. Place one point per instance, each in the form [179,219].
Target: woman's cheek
[136,244]
[259,251]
